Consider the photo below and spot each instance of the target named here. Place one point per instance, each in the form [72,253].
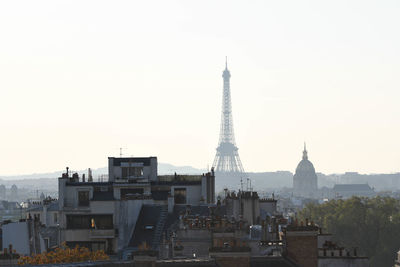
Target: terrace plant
[64,254]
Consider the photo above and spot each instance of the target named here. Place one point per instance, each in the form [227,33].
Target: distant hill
[48,181]
[51,174]
[166,168]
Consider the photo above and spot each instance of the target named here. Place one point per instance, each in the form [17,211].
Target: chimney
[44,217]
[75,177]
[90,177]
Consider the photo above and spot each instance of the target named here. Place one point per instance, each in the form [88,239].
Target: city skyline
[78,84]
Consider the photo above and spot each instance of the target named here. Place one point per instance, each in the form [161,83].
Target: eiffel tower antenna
[227,158]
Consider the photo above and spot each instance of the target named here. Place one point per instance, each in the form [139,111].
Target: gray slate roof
[148,216]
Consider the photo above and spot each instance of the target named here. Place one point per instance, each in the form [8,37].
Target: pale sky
[79,79]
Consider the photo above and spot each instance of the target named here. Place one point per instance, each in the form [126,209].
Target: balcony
[102,233]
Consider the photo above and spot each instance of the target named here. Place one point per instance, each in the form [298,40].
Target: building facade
[103,215]
[348,190]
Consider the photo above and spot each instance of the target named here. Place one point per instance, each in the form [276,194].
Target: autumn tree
[64,254]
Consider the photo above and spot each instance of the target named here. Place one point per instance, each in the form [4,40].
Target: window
[102,189]
[78,222]
[90,222]
[180,195]
[55,217]
[83,198]
[98,246]
[102,222]
[132,172]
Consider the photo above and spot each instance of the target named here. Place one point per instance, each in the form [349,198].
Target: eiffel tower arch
[227,161]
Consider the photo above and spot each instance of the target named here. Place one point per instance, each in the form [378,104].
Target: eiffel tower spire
[227,158]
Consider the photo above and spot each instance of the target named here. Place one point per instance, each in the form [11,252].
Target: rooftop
[178,179]
[53,206]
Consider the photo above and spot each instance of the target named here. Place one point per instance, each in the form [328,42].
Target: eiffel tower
[227,159]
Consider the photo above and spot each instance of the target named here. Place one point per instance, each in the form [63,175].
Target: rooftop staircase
[160,228]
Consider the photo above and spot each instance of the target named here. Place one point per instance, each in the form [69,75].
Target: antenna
[121,152]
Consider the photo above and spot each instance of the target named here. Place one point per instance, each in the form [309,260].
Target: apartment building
[103,215]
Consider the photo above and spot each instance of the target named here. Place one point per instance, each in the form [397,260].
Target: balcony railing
[102,233]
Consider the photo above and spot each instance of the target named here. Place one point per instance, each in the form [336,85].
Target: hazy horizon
[79,80]
[187,169]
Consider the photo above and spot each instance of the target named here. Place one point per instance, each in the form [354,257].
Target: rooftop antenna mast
[120,151]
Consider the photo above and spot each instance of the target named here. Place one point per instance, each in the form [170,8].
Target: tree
[371,224]
[64,254]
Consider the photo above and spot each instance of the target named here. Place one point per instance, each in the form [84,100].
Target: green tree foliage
[371,224]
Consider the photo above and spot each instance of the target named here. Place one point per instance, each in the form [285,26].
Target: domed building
[305,181]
